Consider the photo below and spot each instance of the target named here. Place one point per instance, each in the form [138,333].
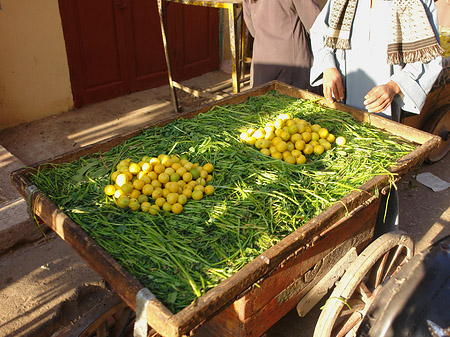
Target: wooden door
[114,47]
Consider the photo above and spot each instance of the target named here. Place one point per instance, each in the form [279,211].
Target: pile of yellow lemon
[291,139]
[163,182]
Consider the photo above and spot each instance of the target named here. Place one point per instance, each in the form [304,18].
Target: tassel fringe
[424,55]
[337,43]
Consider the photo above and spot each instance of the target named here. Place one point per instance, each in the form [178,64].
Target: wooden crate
[253,299]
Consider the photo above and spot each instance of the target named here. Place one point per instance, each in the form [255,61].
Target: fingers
[378,99]
[333,85]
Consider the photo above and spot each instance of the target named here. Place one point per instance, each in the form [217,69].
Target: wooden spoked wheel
[439,124]
[344,310]
[112,318]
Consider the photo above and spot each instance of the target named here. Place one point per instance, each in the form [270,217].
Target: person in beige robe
[281,46]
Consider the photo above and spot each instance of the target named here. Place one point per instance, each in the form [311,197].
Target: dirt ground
[45,285]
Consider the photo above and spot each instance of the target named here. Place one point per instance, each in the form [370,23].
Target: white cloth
[365,66]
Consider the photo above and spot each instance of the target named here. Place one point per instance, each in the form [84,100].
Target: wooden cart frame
[264,290]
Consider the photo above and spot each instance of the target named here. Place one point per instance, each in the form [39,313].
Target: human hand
[380,97]
[333,84]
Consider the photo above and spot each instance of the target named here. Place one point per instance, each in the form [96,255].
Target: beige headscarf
[412,38]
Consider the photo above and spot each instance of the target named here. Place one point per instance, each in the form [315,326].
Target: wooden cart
[255,298]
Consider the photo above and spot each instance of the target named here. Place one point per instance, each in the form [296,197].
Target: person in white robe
[382,56]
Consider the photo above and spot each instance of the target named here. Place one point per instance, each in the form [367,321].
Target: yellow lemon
[154,209]
[281,146]
[187,177]
[199,188]
[319,149]
[284,116]
[147,167]
[187,192]
[326,144]
[182,199]
[138,184]
[127,188]
[135,194]
[277,155]
[110,190]
[306,136]
[258,143]
[269,128]
[341,141]
[145,206]
[290,159]
[300,145]
[315,136]
[296,153]
[121,179]
[134,168]
[177,208]
[331,138]
[154,161]
[167,162]
[208,167]
[172,198]
[153,175]
[301,127]
[163,178]
[251,140]
[123,201]
[243,136]
[157,193]
[147,189]
[314,143]
[203,173]
[160,201]
[259,134]
[197,195]
[292,129]
[315,127]
[323,133]
[114,175]
[276,140]
[142,198]
[265,152]
[209,189]
[118,193]
[279,124]
[295,137]
[146,179]
[301,159]
[134,205]
[181,170]
[159,168]
[308,149]
[290,146]
[156,183]
[285,135]
[167,207]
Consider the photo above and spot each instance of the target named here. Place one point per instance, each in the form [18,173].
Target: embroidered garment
[411,37]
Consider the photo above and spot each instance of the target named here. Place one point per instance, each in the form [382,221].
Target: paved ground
[38,277]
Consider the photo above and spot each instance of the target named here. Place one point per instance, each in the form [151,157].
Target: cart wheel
[112,318]
[344,310]
[439,124]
